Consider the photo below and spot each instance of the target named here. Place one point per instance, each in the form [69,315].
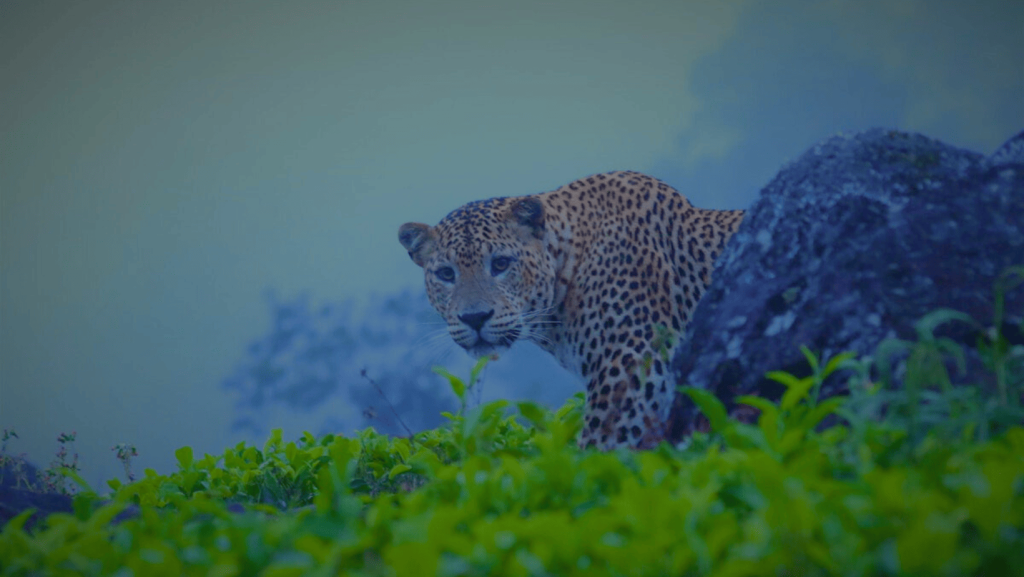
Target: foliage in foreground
[931,485]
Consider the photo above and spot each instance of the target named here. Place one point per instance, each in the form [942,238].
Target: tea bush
[923,480]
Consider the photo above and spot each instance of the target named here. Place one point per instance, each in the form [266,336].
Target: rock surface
[851,243]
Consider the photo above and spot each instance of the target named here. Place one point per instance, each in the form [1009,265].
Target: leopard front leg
[627,405]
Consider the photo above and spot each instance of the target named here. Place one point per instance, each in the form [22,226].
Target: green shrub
[927,479]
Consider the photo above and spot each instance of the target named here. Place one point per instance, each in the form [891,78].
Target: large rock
[851,243]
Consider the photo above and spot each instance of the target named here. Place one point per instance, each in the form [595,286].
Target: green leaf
[796,392]
[342,451]
[884,354]
[791,440]
[167,491]
[184,456]
[458,387]
[782,377]
[709,404]
[18,521]
[425,462]
[818,413]
[761,403]
[769,419]
[273,442]
[481,416]
[398,470]
[742,435]
[401,447]
[272,485]
[71,473]
[474,373]
[188,480]
[533,413]
[82,504]
[928,323]
[490,409]
[835,361]
[812,360]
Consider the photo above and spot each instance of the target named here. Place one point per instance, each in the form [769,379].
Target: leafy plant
[460,388]
[936,488]
[781,427]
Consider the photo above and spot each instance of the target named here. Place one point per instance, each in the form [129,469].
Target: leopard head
[487,272]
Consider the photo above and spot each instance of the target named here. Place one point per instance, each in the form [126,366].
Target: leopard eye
[499,264]
[445,273]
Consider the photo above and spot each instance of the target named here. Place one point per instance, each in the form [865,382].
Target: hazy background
[164,165]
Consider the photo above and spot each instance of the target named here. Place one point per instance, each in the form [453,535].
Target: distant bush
[341,368]
[311,361]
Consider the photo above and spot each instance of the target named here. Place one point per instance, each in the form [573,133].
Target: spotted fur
[585,272]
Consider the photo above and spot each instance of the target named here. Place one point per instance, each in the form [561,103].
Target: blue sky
[165,163]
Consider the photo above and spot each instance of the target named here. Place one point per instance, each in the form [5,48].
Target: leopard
[593,273]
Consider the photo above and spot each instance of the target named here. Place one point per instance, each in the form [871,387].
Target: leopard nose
[476,320]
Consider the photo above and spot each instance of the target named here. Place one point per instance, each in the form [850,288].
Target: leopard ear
[418,239]
[529,212]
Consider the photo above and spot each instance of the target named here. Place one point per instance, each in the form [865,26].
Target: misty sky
[162,164]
